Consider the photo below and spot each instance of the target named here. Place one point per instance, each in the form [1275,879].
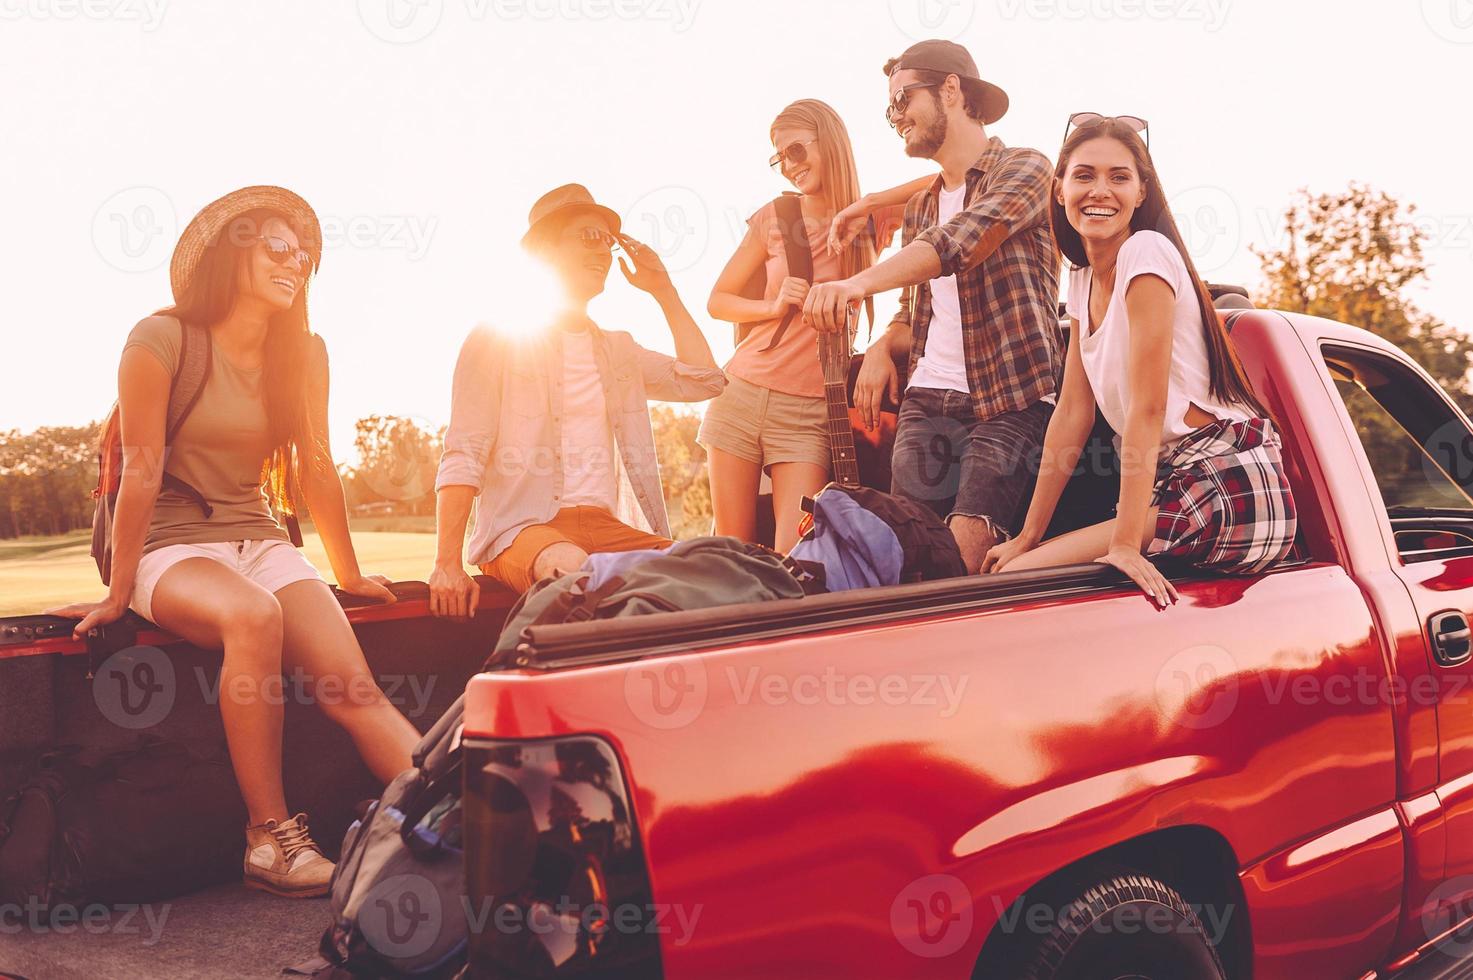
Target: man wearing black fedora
[549,430]
[978,323]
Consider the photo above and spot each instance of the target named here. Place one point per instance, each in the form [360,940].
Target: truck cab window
[1420,451]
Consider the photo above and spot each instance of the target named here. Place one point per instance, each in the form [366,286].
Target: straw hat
[205,228]
[563,200]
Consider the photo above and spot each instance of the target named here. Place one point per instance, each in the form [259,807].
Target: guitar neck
[833,353]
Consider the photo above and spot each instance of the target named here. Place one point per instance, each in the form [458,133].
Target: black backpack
[398,892]
[141,824]
[800,265]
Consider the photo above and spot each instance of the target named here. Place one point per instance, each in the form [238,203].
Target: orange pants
[591,528]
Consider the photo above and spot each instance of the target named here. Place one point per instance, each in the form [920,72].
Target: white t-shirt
[1106,351]
[587,438]
[944,363]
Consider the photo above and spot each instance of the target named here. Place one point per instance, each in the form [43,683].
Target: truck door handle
[1452,642]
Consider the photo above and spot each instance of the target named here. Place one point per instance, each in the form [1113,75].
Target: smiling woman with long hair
[772,415]
[1201,476]
[195,546]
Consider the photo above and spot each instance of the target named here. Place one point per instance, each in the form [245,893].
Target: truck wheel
[1125,927]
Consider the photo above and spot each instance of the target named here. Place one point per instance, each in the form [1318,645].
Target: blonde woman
[772,415]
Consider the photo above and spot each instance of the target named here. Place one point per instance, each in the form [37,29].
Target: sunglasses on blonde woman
[793,153]
[1084,120]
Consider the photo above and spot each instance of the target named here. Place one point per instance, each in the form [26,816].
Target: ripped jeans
[955,464]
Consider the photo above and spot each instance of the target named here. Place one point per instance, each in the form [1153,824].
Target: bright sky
[422,130]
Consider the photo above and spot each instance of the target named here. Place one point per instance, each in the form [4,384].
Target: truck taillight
[556,881]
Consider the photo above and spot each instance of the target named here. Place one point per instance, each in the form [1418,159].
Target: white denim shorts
[271,563]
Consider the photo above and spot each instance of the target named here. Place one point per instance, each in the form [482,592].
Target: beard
[927,142]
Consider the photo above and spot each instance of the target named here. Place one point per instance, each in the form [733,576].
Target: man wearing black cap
[549,431]
[978,317]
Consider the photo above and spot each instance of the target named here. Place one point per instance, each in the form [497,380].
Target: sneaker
[281,858]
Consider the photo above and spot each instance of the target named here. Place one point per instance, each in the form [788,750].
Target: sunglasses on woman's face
[281,252]
[1084,120]
[793,153]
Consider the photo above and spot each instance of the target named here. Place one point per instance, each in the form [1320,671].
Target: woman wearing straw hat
[195,547]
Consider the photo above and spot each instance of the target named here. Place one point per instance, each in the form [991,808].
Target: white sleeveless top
[1106,351]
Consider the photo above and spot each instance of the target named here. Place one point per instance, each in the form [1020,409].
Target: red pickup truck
[1026,775]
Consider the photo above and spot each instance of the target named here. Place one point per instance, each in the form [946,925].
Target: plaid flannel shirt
[1001,249]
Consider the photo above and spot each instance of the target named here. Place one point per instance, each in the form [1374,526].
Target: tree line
[1352,256]
[47,476]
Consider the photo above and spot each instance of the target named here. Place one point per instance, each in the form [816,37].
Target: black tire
[1125,927]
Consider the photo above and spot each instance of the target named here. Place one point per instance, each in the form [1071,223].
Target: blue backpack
[863,537]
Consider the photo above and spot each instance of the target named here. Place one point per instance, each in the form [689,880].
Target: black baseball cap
[950,58]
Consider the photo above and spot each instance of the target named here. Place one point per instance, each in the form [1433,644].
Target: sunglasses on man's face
[1084,120]
[900,101]
[281,251]
[794,153]
[596,238]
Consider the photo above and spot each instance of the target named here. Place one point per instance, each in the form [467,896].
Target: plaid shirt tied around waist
[1001,249]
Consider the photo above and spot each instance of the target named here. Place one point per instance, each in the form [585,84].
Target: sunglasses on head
[281,252]
[794,153]
[1084,120]
[900,101]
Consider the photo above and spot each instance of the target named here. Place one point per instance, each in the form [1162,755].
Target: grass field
[37,573]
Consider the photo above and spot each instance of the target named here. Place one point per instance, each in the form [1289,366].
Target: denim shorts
[271,563]
[959,466]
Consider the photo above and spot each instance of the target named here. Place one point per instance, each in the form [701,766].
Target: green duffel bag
[695,574]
